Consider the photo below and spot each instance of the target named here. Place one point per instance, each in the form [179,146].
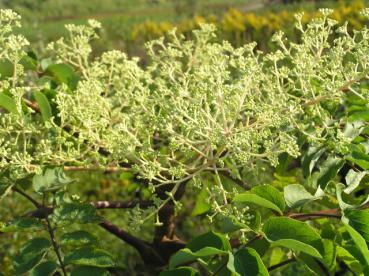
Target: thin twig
[89,169]
[48,226]
[122,204]
[345,88]
[330,213]
[273,267]
[55,246]
[239,182]
[34,202]
[34,106]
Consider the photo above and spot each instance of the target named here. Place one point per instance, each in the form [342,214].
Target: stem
[273,267]
[330,213]
[34,202]
[48,226]
[147,252]
[55,246]
[108,169]
[122,204]
[239,182]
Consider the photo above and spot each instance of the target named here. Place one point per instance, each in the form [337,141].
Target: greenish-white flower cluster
[200,105]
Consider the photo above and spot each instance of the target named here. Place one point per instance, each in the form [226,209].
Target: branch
[330,213]
[45,211]
[55,246]
[34,106]
[42,212]
[345,88]
[122,204]
[125,236]
[273,267]
[34,202]
[147,252]
[90,169]
[239,182]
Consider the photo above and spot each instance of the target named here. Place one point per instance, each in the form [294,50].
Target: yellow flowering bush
[239,27]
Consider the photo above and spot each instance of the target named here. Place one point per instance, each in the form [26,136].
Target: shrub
[243,27]
[274,145]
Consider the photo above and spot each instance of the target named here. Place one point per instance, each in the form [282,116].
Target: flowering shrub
[275,146]
[238,27]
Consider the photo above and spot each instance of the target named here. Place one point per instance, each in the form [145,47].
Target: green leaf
[44,105]
[352,263]
[24,263]
[296,196]
[254,220]
[90,257]
[277,255]
[209,239]
[293,234]
[359,220]
[36,245]
[329,170]
[31,254]
[310,159]
[247,262]
[353,179]
[258,200]
[46,62]
[6,69]
[201,206]
[78,238]
[359,158]
[298,246]
[360,116]
[277,228]
[63,73]
[76,212]
[29,62]
[230,224]
[352,130]
[21,225]
[343,205]
[45,269]
[359,241]
[89,271]
[185,255]
[8,103]
[51,180]
[260,245]
[313,264]
[271,194]
[5,188]
[180,271]
[329,254]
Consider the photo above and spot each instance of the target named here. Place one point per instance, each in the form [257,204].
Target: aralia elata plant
[274,144]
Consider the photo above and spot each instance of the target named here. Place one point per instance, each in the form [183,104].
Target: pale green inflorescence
[199,105]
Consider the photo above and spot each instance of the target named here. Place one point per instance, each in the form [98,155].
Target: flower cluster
[198,106]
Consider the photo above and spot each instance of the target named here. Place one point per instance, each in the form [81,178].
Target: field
[44,22]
